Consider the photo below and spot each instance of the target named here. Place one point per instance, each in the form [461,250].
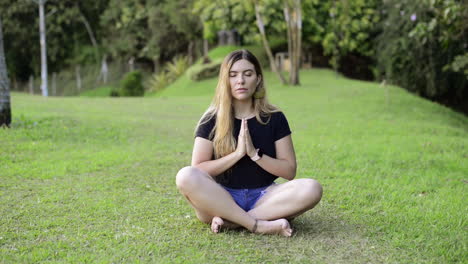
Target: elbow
[201,166]
[292,172]
[196,165]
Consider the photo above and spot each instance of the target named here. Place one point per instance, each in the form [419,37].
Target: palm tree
[5,110]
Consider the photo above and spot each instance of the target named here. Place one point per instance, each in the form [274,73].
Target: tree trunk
[5,107]
[266,45]
[156,64]
[205,48]
[292,14]
[54,84]
[78,78]
[90,33]
[31,84]
[190,49]
[298,40]
[287,18]
[104,71]
[42,30]
[131,64]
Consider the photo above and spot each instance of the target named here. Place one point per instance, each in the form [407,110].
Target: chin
[243,97]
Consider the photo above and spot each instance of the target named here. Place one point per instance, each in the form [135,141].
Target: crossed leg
[209,199]
[287,200]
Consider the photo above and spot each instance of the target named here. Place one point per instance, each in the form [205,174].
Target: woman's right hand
[241,148]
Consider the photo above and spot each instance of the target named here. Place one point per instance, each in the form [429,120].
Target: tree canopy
[375,39]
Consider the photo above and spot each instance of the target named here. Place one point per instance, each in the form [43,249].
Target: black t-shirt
[246,173]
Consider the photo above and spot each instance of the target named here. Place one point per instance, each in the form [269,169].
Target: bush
[422,46]
[114,93]
[177,67]
[159,81]
[172,71]
[345,30]
[132,84]
[205,71]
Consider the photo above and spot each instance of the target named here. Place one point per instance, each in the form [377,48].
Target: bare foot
[216,224]
[278,227]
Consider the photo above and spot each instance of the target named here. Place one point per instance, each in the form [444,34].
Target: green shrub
[178,66]
[114,93]
[159,81]
[132,84]
[205,71]
[172,72]
[422,46]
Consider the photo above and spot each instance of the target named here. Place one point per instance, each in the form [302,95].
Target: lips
[241,90]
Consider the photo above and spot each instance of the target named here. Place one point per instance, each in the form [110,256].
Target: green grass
[92,180]
[103,91]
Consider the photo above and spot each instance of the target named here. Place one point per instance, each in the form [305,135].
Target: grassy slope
[93,179]
[103,91]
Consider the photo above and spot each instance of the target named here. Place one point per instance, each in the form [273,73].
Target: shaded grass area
[92,180]
[103,91]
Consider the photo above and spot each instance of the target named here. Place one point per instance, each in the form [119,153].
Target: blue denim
[246,198]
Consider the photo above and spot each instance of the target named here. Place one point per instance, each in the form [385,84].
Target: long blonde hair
[221,107]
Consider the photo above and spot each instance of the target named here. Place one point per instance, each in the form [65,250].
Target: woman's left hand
[249,147]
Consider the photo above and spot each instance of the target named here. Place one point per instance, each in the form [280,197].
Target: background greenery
[419,45]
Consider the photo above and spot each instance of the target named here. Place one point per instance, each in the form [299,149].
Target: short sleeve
[204,129]
[281,126]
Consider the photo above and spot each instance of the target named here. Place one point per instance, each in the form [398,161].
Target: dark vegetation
[132,84]
[419,45]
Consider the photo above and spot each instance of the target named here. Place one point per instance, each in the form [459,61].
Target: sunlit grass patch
[92,179]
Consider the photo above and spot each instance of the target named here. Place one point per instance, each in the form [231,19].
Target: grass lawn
[103,91]
[92,179]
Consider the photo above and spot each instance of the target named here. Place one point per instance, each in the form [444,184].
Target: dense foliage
[420,45]
[132,84]
[422,48]
[342,27]
[143,29]
[169,74]
[67,38]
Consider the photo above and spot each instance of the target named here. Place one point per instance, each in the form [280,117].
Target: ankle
[254,228]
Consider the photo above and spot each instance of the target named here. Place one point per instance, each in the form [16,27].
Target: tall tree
[5,108]
[293,17]
[266,44]
[186,23]
[42,30]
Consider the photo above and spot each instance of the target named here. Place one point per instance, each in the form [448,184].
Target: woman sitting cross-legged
[242,145]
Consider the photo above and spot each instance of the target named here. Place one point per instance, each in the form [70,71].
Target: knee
[311,191]
[186,178]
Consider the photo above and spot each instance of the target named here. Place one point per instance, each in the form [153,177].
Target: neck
[243,109]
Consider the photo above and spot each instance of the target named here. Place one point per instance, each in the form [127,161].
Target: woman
[231,182]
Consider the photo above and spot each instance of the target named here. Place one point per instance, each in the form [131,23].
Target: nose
[240,79]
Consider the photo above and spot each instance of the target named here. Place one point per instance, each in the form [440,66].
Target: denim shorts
[246,198]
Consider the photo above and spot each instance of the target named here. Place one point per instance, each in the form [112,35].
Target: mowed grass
[92,179]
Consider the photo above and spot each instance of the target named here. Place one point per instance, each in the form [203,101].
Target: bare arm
[284,165]
[203,152]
